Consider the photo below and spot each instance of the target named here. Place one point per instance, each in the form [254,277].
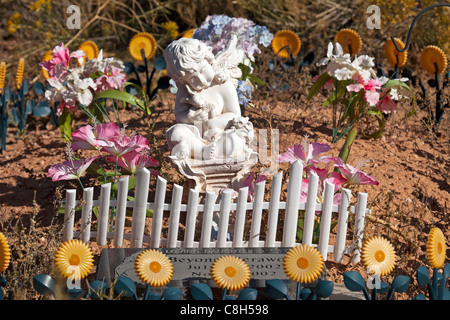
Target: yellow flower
[303,263]
[47,56]
[436,248]
[2,76]
[433,59]
[90,49]
[230,272]
[378,256]
[19,73]
[74,259]
[36,6]
[13,22]
[349,40]
[153,267]
[5,253]
[284,38]
[189,33]
[144,41]
[394,57]
[172,28]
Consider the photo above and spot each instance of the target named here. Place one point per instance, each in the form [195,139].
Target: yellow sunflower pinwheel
[47,56]
[154,268]
[5,253]
[378,256]
[74,259]
[189,33]
[433,60]
[436,248]
[284,39]
[90,49]
[349,40]
[394,57]
[303,263]
[140,41]
[230,272]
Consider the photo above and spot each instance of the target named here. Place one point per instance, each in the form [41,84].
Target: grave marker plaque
[193,264]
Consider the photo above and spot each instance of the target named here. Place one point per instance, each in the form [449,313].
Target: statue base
[215,174]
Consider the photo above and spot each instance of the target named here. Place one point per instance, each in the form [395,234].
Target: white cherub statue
[207,111]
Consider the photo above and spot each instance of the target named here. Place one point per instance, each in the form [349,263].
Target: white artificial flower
[56,91]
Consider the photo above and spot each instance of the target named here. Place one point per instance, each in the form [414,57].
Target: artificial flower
[378,256]
[286,42]
[94,138]
[339,64]
[19,73]
[433,60]
[153,267]
[120,145]
[297,152]
[5,253]
[303,263]
[393,56]
[371,87]
[2,76]
[134,160]
[70,169]
[90,49]
[352,175]
[230,272]
[74,259]
[387,104]
[141,41]
[349,40]
[436,248]
[115,79]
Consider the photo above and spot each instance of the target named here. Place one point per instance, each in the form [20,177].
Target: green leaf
[382,124]
[320,82]
[65,125]
[120,95]
[256,80]
[335,95]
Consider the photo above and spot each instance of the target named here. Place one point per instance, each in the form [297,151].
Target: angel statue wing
[227,62]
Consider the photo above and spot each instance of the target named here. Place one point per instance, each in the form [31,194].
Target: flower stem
[79,180]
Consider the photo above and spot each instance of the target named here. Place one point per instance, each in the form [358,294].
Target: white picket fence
[225,207]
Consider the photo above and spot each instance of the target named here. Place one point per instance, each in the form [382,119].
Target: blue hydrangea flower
[244,91]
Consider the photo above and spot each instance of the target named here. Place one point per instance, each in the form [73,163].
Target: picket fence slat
[292,204]
[140,208]
[86,214]
[310,210]
[121,208]
[175,210]
[214,216]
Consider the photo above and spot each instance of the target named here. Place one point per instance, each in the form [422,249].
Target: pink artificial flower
[85,139]
[248,182]
[387,105]
[353,176]
[371,95]
[113,80]
[60,60]
[297,153]
[70,169]
[123,144]
[134,160]
[335,178]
